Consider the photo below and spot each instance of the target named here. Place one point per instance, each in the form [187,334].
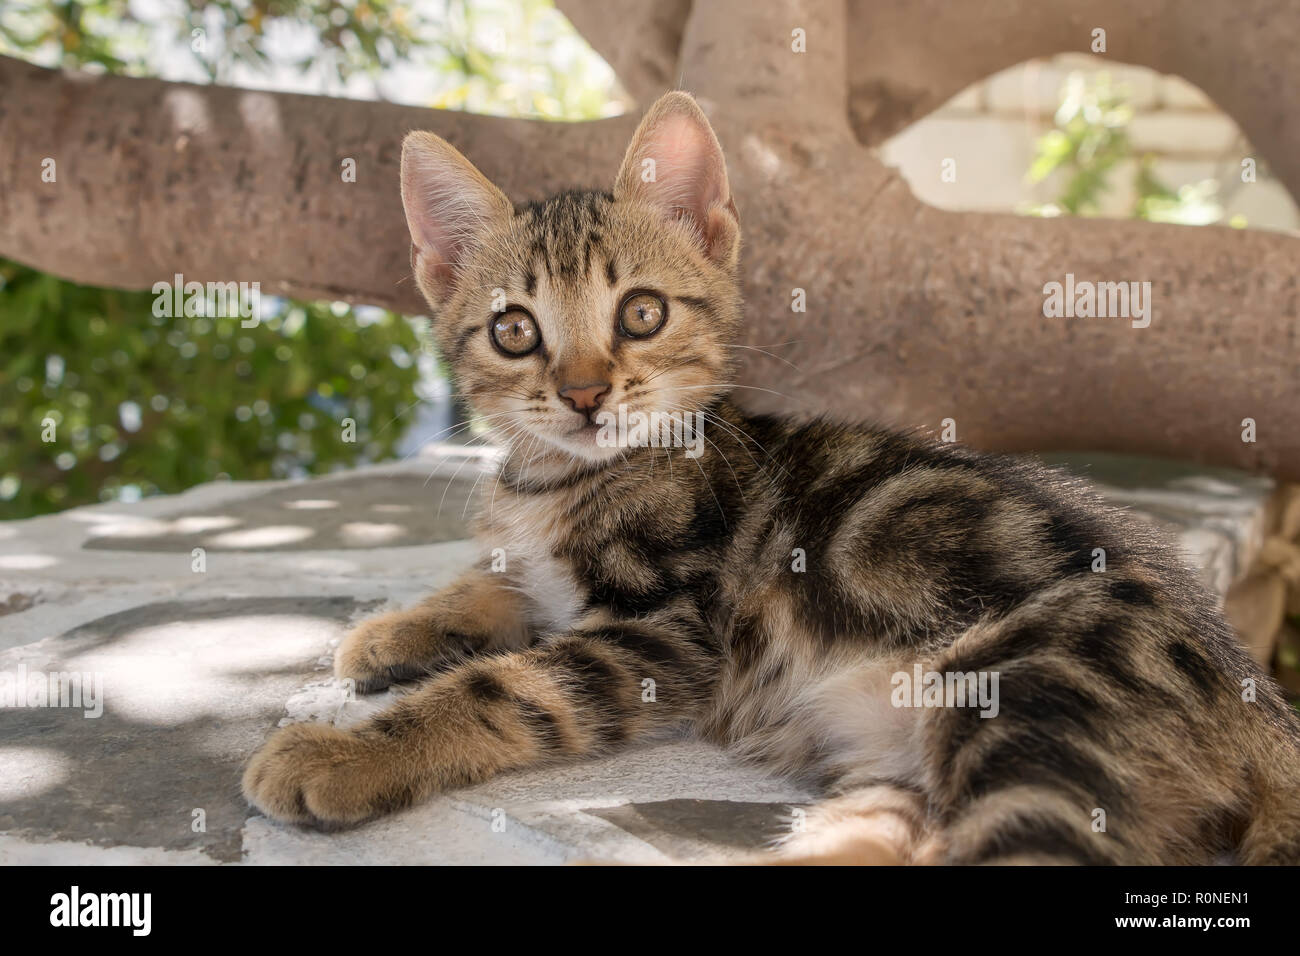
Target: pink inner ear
[437,215]
[689,175]
[447,204]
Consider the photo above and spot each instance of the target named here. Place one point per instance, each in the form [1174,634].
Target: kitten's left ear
[448,206]
[675,164]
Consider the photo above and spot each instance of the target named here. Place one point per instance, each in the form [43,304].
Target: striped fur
[766,594]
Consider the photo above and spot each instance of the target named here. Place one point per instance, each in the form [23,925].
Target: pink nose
[584,398]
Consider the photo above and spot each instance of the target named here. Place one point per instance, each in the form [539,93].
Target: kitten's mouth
[585,442]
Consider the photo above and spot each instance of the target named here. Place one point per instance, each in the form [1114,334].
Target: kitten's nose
[584,398]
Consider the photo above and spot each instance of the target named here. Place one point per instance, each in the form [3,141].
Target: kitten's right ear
[675,164]
[448,203]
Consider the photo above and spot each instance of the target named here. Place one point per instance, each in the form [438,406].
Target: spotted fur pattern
[767,593]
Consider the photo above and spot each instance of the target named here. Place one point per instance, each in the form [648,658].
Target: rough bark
[223,184]
[639,40]
[914,314]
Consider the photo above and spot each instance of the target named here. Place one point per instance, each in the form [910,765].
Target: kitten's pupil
[515,333]
[642,314]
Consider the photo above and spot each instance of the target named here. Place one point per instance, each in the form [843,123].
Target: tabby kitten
[783,584]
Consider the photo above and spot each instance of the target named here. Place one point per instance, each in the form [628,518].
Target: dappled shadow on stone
[190,690]
[370,511]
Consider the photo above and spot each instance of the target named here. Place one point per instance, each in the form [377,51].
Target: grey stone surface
[1217,515]
[188,693]
[195,668]
[352,511]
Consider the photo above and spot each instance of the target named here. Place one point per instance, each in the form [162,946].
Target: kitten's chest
[529,538]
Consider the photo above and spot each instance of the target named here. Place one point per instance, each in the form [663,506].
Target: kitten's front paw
[398,646]
[318,775]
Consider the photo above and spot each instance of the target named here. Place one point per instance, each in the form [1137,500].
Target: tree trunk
[913,314]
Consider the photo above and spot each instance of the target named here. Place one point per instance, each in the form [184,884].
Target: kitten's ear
[448,204]
[675,164]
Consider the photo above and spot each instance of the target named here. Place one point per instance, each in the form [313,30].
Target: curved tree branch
[223,184]
[1242,53]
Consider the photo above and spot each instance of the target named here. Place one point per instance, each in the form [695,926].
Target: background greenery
[1087,143]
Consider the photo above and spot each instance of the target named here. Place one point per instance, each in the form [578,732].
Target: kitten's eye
[515,333]
[641,314]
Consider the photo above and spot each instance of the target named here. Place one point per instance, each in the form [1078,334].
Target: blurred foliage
[521,58]
[1087,145]
[137,403]
[142,405]
[350,35]
[504,57]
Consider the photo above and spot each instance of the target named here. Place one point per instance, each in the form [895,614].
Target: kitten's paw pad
[313,774]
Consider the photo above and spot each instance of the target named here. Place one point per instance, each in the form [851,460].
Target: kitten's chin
[557,451]
[585,443]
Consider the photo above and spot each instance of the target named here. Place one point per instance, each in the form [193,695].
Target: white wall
[991,127]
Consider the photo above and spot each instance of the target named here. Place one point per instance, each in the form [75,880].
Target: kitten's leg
[1054,774]
[1031,826]
[478,613]
[877,825]
[571,695]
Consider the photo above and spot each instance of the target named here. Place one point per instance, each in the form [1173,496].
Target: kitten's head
[555,312]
